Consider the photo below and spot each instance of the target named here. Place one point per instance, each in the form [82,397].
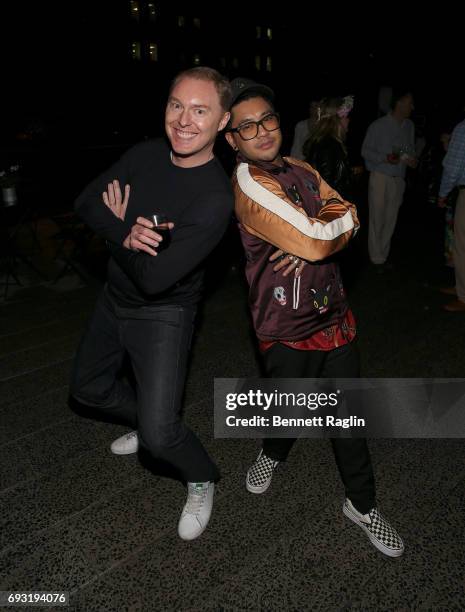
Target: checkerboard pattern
[380,532]
[260,474]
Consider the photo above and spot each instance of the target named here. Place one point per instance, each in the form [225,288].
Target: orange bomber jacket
[292,208]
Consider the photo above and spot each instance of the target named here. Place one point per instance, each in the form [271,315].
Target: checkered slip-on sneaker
[381,534]
[260,474]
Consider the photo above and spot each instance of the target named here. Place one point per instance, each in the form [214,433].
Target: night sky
[67,65]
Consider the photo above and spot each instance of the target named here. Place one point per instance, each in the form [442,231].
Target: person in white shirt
[388,149]
[302,132]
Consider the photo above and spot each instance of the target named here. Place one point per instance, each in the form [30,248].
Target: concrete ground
[76,518]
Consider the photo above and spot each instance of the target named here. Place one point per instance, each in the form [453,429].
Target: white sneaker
[196,513]
[126,445]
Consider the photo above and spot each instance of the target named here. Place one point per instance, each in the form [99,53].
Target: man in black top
[147,308]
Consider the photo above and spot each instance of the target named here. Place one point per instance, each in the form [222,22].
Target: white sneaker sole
[118,452]
[257,490]
[389,552]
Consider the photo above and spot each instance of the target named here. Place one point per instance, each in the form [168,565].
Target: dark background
[79,84]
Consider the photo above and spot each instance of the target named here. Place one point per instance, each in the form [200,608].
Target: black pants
[157,340]
[351,454]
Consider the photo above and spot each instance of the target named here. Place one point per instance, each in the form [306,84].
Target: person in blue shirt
[454,176]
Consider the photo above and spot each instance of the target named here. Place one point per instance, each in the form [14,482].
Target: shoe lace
[195,499]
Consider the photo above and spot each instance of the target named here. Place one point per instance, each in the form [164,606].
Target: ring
[293,259]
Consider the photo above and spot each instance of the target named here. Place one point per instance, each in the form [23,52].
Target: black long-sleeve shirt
[197,200]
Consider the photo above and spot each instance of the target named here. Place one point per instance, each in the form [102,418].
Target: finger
[144,231]
[141,246]
[290,269]
[299,270]
[117,190]
[164,226]
[140,237]
[280,265]
[122,212]
[276,254]
[127,189]
[145,222]
[111,194]
[105,198]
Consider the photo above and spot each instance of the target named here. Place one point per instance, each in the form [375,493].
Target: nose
[261,130]
[184,118]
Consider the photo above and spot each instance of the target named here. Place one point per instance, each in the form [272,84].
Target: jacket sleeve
[264,210]
[194,237]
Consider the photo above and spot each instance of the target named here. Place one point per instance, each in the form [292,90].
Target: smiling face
[265,145]
[193,118]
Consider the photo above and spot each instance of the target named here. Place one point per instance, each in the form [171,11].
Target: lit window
[134,8]
[197,22]
[268,64]
[153,52]
[258,62]
[152,11]
[197,59]
[269,33]
[181,21]
[258,30]
[135,50]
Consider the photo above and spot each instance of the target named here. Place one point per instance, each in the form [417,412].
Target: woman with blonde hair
[325,148]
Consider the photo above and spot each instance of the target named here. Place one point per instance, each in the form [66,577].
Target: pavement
[76,518]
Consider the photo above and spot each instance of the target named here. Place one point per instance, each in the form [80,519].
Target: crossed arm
[264,210]
[143,238]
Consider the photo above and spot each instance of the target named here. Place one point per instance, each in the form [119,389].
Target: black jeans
[351,454]
[157,340]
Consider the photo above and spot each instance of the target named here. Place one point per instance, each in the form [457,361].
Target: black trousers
[157,340]
[351,454]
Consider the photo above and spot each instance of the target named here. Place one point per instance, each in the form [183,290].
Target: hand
[442,202]
[357,170]
[290,263]
[392,158]
[114,200]
[412,162]
[143,237]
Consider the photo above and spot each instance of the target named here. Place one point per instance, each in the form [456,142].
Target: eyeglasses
[249,130]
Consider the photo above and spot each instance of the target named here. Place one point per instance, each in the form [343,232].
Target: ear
[224,121]
[230,138]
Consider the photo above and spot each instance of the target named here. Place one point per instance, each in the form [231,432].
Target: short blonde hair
[204,73]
